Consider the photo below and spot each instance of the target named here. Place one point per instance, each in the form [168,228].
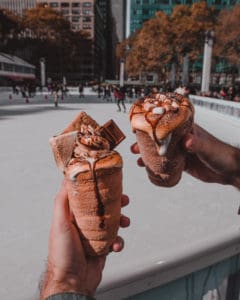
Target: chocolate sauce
[101,208]
[154,120]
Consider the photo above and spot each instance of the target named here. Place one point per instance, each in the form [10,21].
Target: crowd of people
[128,93]
[229,93]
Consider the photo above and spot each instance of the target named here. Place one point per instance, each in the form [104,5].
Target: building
[17,6]
[100,18]
[119,15]
[91,16]
[143,10]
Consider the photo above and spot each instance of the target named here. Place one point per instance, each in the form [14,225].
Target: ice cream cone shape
[93,175]
[97,214]
[160,121]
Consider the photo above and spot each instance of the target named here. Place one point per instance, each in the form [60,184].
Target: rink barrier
[220,105]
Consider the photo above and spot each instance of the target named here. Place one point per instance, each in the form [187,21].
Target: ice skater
[119,95]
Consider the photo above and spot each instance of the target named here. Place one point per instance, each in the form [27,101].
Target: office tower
[142,10]
[17,6]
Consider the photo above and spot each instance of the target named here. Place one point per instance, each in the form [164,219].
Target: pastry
[93,171]
[160,121]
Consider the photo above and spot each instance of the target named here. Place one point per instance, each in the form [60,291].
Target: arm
[208,158]
[68,269]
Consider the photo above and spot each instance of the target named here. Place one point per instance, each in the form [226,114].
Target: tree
[46,23]
[228,35]
[51,37]
[150,47]
[164,40]
[9,26]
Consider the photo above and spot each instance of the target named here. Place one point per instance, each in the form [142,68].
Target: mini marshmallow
[158,110]
[148,106]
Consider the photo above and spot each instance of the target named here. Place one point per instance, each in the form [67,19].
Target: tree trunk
[185,75]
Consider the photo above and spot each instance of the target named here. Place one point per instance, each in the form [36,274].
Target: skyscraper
[119,16]
[142,10]
[17,6]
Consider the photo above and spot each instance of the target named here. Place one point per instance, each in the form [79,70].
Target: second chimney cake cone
[93,173]
[160,121]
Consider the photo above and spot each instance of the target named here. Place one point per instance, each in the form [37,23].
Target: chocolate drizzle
[101,208]
[170,102]
[154,124]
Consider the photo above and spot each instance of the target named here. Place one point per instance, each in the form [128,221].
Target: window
[87,4]
[64,4]
[7,67]
[75,19]
[145,2]
[87,26]
[138,2]
[87,19]
[87,12]
[145,11]
[65,12]
[75,4]
[53,4]
[75,12]
[75,27]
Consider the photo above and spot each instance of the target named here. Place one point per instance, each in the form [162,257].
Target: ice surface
[163,221]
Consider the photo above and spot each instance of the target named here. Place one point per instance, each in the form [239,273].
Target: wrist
[54,284]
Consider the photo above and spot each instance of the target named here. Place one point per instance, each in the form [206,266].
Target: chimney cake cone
[93,173]
[159,122]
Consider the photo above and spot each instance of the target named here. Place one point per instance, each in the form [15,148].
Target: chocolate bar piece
[112,133]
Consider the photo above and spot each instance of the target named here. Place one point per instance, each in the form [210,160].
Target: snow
[163,221]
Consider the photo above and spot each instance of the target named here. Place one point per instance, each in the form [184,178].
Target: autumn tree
[9,26]
[189,24]
[164,40]
[46,23]
[52,38]
[227,34]
[150,47]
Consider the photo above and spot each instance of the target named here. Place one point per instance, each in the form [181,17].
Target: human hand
[210,159]
[69,269]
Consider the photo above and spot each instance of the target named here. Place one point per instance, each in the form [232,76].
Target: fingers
[124,221]
[135,149]
[61,206]
[140,162]
[118,244]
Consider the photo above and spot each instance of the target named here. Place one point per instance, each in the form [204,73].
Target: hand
[69,269]
[210,159]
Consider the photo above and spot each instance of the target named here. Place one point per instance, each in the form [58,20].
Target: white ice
[164,221]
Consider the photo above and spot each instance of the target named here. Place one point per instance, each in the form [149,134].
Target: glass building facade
[142,10]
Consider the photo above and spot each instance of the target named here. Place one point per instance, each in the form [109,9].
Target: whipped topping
[159,115]
[90,146]
[164,143]
[158,110]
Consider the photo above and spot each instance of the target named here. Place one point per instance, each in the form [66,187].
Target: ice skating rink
[166,224]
